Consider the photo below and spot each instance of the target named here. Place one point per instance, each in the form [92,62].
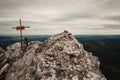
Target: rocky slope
[61,57]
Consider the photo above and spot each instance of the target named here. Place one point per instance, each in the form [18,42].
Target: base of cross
[24,44]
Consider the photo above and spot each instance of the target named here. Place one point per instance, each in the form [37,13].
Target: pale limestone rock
[61,57]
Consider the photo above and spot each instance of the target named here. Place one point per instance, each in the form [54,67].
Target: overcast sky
[53,16]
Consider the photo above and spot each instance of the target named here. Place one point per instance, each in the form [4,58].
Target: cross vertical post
[20,33]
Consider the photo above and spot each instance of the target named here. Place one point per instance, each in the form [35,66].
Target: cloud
[116,27]
[46,16]
[113,17]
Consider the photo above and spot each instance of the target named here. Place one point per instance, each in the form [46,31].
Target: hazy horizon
[48,17]
[58,32]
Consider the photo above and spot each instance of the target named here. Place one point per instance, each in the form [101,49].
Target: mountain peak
[60,57]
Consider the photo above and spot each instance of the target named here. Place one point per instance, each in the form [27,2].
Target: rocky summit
[61,57]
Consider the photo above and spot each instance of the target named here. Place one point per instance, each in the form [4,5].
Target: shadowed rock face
[61,57]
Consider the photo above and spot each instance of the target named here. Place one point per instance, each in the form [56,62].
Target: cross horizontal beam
[20,27]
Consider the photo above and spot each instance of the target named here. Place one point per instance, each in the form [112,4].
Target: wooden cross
[20,27]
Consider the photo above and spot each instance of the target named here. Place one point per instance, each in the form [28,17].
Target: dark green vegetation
[106,48]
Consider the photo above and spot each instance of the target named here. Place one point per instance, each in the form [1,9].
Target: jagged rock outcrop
[61,57]
[13,54]
[4,66]
[1,53]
